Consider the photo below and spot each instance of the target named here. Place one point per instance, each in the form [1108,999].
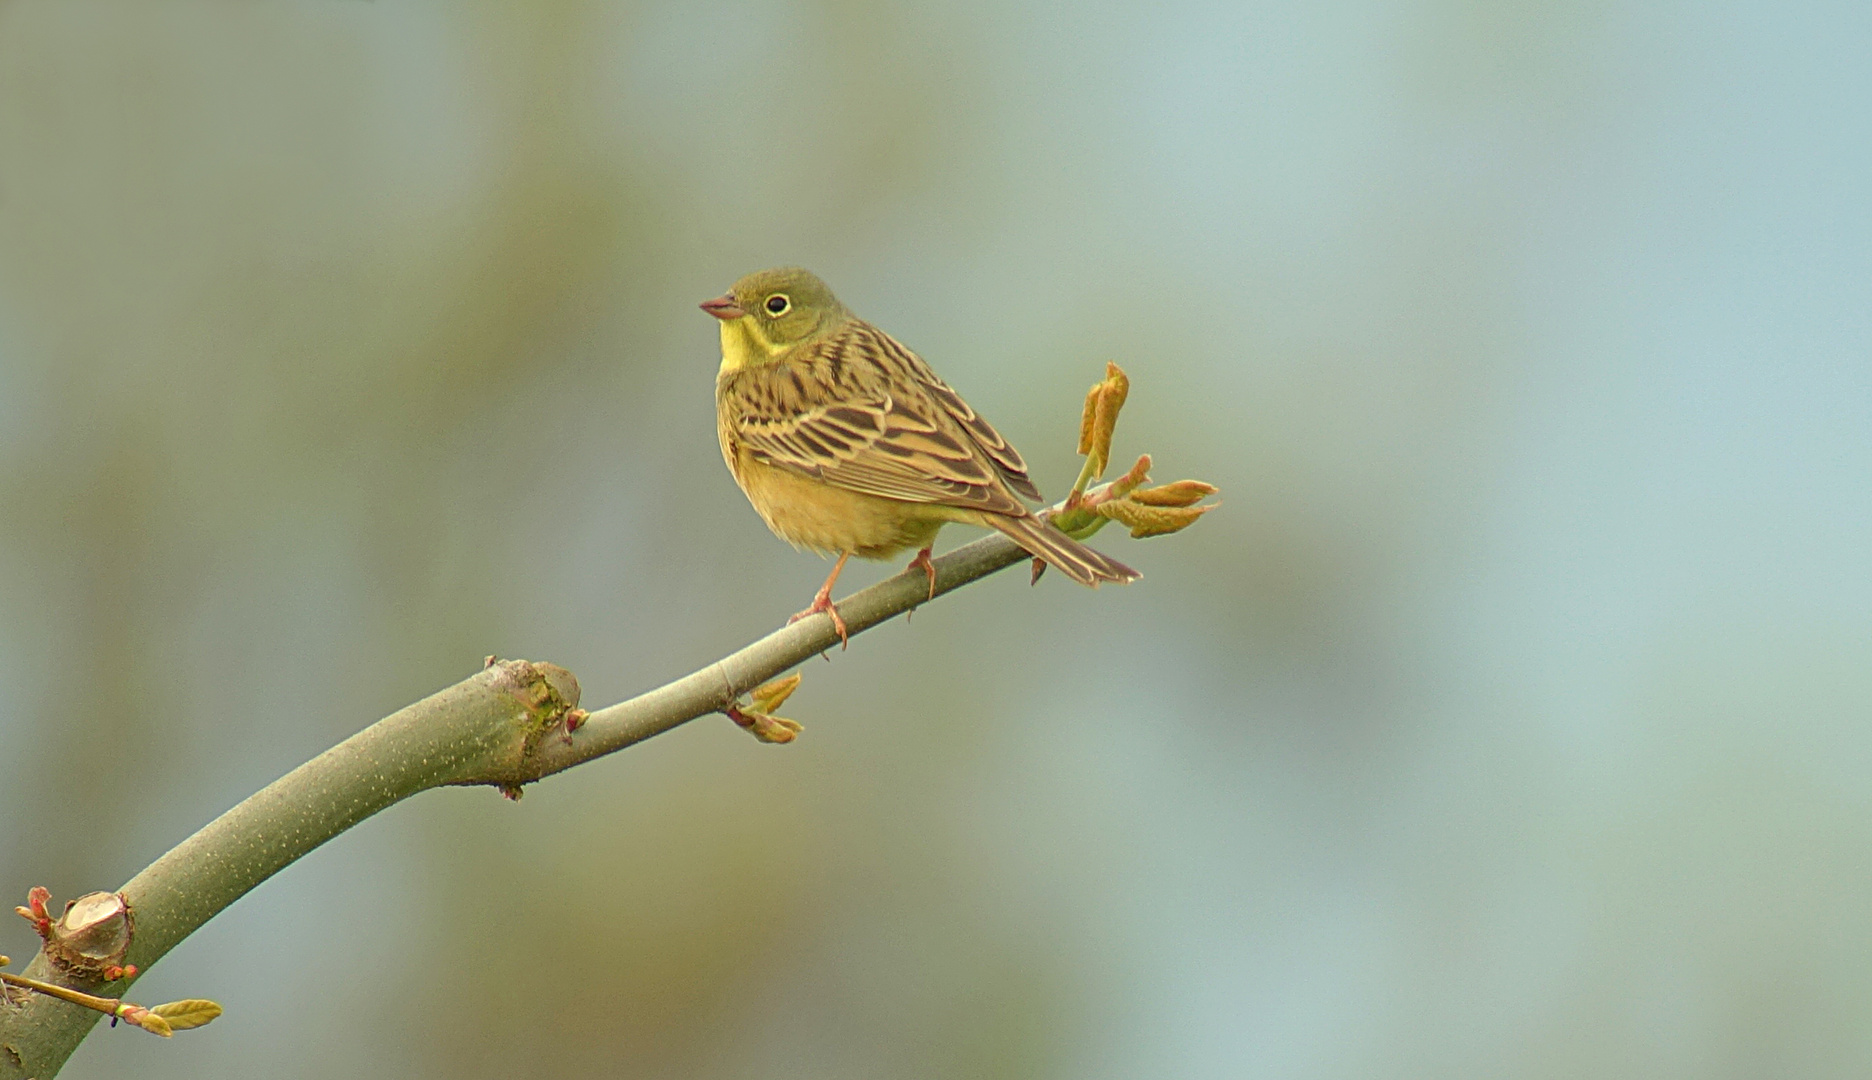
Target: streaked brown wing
[868,434]
[1007,460]
[1001,453]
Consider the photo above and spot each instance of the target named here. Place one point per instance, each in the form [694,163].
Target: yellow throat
[742,345]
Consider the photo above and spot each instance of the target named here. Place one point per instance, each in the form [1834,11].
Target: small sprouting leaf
[146,1019]
[1103,402]
[1139,474]
[188,1013]
[772,729]
[763,726]
[1181,493]
[771,696]
[1151,520]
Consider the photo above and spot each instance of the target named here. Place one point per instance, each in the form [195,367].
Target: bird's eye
[777,304]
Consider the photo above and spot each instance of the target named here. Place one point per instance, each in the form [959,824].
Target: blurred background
[1512,718]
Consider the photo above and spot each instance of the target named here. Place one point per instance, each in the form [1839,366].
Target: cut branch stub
[90,940]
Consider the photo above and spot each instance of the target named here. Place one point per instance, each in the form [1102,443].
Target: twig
[116,1008]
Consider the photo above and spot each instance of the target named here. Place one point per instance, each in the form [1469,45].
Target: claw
[822,601]
[923,560]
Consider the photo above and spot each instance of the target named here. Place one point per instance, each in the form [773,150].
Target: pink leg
[923,560]
[822,601]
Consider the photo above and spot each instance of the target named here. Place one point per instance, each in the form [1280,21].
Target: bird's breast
[809,513]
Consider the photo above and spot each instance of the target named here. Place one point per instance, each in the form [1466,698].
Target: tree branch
[503,726]
[718,685]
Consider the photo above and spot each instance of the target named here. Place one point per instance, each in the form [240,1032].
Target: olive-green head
[770,311]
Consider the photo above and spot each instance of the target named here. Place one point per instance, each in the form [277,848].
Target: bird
[847,443]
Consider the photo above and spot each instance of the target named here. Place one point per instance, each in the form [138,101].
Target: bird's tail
[1073,559]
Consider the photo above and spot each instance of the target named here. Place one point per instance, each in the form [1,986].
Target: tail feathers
[1073,559]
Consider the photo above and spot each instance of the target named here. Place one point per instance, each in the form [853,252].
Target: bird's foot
[923,560]
[823,602]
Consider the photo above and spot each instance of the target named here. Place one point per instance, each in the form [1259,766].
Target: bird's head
[770,312]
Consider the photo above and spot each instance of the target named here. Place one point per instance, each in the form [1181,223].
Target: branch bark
[504,726]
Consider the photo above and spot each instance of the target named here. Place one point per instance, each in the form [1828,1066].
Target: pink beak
[723,308]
